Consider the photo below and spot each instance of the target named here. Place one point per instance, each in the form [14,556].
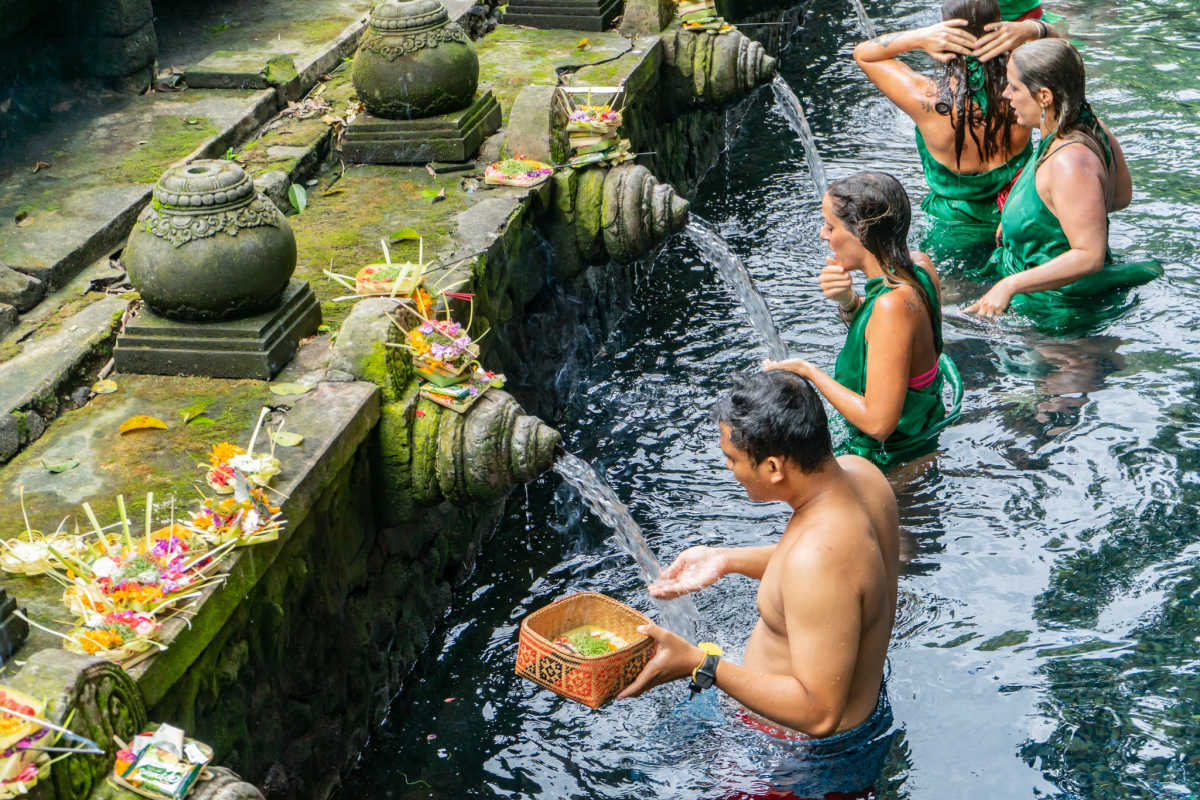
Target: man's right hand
[694,569]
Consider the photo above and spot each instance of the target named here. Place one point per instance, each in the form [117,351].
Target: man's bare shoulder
[871,484]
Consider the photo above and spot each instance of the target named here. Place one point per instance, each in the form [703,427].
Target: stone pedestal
[449,137]
[579,15]
[252,347]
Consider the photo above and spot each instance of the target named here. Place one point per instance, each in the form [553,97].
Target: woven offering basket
[592,681]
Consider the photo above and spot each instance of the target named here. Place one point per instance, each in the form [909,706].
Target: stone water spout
[620,213]
[429,453]
[719,68]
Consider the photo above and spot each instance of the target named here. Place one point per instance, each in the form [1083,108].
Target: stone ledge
[31,383]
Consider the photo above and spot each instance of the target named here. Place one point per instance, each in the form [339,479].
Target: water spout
[864,21]
[787,102]
[678,615]
[717,251]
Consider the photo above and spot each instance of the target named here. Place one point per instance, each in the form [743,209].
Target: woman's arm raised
[912,92]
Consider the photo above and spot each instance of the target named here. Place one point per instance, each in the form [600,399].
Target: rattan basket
[592,681]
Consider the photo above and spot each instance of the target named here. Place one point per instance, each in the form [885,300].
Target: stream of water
[791,107]
[678,615]
[1046,643]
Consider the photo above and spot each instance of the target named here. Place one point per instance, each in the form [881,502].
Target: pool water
[1048,633]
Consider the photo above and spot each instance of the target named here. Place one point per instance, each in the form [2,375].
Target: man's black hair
[776,413]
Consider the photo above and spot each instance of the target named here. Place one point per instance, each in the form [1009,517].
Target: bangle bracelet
[1043,29]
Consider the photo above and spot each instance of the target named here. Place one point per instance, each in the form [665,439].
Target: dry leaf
[142,422]
[106,386]
[440,196]
[63,466]
[430,170]
[24,220]
[332,192]
[287,439]
[40,165]
[581,44]
[289,388]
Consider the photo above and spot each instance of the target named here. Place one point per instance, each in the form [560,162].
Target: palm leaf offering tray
[592,132]
[461,396]
[120,586]
[585,647]
[164,765]
[27,738]
[517,171]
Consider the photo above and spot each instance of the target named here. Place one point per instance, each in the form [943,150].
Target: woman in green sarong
[969,144]
[1053,263]
[889,376]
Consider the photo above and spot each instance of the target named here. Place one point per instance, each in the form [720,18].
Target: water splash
[717,251]
[864,21]
[789,105]
[678,615]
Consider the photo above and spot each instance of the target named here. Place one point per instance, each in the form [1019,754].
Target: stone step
[32,384]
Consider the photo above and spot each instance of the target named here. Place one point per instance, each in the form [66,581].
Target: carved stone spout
[719,68]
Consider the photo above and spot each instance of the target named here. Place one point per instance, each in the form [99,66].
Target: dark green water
[1048,640]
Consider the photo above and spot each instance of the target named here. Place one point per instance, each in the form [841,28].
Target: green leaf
[287,439]
[63,466]
[404,234]
[106,386]
[191,412]
[289,388]
[298,197]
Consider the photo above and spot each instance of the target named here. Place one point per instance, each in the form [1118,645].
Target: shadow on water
[1046,636]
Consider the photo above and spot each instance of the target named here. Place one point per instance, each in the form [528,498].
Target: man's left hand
[675,659]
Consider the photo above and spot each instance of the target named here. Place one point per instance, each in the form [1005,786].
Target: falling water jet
[678,615]
[864,20]
[791,108]
[717,251]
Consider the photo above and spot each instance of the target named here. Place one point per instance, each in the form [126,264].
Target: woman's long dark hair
[876,209]
[964,79]
[1055,65]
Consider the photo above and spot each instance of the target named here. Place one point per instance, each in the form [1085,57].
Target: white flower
[104,567]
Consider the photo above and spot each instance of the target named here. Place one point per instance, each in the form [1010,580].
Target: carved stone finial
[414,62]
[209,247]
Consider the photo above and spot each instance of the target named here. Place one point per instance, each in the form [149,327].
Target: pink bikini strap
[924,379]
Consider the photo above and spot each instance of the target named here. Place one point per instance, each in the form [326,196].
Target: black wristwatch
[705,675]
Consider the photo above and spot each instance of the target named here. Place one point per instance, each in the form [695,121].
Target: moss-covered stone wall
[289,687]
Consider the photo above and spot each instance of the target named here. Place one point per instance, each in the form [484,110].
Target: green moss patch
[169,139]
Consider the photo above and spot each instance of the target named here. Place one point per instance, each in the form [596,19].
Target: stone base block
[579,15]
[255,347]
[450,137]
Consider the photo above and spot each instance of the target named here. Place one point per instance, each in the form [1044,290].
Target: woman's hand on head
[1004,37]
[947,39]
[837,285]
[994,303]
[797,365]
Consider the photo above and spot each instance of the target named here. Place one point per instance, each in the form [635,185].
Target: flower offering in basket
[227,459]
[163,765]
[442,351]
[585,647]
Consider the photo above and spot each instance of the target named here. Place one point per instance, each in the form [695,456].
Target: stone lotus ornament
[209,247]
[414,62]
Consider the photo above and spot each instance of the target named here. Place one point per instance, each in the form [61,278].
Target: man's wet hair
[776,413]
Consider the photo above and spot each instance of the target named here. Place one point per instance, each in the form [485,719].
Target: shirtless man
[827,592]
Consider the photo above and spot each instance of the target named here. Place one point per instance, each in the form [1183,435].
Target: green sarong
[1032,236]
[924,414]
[1011,9]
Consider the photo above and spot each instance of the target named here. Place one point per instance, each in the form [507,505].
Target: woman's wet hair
[776,413]
[875,208]
[1055,64]
[964,77]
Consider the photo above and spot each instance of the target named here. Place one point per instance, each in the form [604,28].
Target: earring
[1043,116]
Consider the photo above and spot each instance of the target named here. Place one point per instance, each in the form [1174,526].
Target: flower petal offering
[517,172]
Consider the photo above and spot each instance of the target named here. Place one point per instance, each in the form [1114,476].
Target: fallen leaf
[312,182]
[404,234]
[200,422]
[40,165]
[24,220]
[430,170]
[298,197]
[142,422]
[287,439]
[440,196]
[581,44]
[332,192]
[62,466]
[191,412]
[106,386]
[289,388]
